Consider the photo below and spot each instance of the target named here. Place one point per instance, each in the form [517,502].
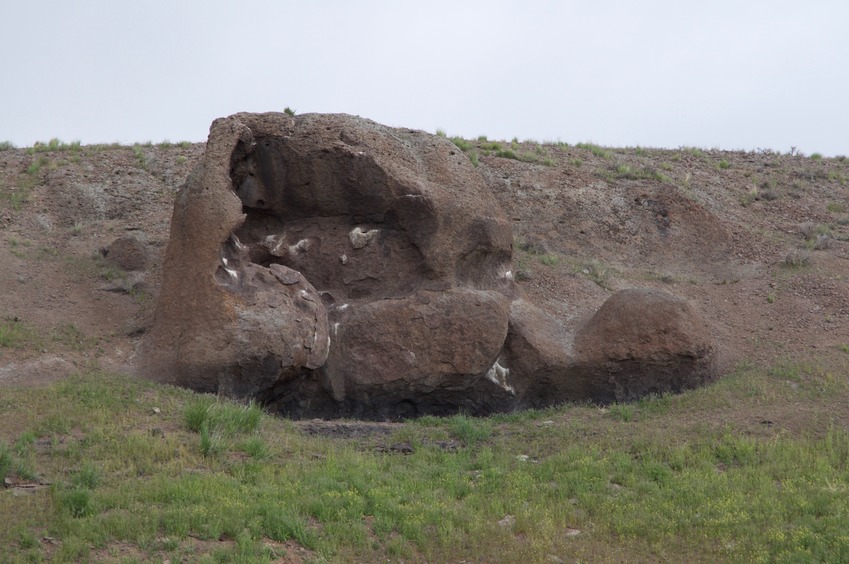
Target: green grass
[693,477]
[624,171]
[599,273]
[54,145]
[462,144]
[595,150]
[20,335]
[6,145]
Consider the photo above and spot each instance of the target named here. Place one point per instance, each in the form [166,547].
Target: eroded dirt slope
[759,242]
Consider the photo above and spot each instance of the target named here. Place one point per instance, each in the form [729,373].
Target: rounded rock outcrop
[644,342]
[329,266]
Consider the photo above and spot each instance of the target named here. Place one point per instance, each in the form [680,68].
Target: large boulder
[327,265]
[643,342]
[327,256]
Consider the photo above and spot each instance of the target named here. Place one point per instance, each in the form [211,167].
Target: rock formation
[327,265]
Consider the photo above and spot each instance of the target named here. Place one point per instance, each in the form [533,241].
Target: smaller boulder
[644,342]
[127,253]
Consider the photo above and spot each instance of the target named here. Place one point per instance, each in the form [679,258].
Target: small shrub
[6,145]
[724,164]
[822,242]
[441,133]
[77,229]
[181,159]
[288,111]
[474,158]
[750,196]
[77,502]
[769,195]
[816,156]
[836,207]
[575,162]
[817,236]
[797,258]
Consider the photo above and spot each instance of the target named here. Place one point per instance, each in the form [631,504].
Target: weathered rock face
[327,265]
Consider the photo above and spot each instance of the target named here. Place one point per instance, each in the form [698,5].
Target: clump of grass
[549,259]
[216,421]
[139,155]
[627,172]
[16,334]
[595,150]
[54,144]
[621,411]
[507,154]
[441,133]
[474,158]
[182,159]
[595,271]
[462,144]
[576,162]
[87,477]
[816,156]
[5,461]
[469,430]
[77,502]
[797,258]
[723,164]
[817,236]
[6,146]
[751,195]
[836,207]
[694,151]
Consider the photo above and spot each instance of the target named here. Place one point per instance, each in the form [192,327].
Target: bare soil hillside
[758,242]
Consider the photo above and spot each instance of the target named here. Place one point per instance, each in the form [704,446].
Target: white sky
[732,74]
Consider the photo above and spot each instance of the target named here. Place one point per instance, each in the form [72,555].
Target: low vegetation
[112,462]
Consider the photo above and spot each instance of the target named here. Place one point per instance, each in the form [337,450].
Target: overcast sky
[729,74]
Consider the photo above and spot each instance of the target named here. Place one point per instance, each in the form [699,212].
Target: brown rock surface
[392,228]
[643,342]
[328,265]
